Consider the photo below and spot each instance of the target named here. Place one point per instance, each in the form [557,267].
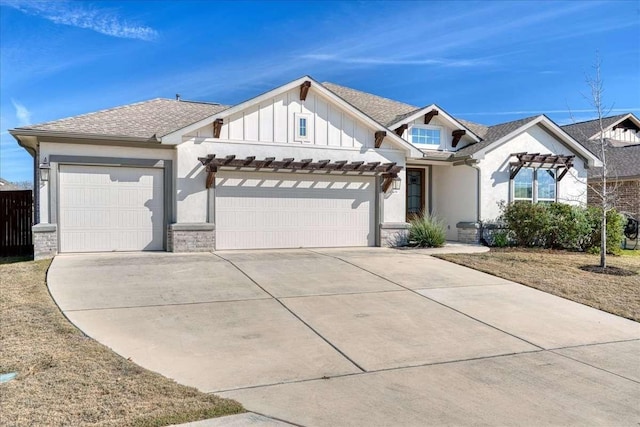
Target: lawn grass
[559,273]
[66,378]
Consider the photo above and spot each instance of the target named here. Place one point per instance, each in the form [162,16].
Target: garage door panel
[272,210]
[109,208]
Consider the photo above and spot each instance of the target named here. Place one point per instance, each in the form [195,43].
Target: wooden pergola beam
[457,134]
[380,137]
[212,163]
[429,116]
[550,161]
[304,90]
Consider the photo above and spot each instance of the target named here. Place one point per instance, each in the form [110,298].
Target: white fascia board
[441,113]
[176,137]
[578,148]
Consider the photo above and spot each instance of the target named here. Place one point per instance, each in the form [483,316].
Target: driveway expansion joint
[431,299]
[342,353]
[593,366]
[163,305]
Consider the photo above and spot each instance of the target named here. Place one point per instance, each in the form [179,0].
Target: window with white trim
[302,129]
[429,136]
[534,185]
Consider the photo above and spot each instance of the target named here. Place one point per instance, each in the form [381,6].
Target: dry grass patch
[559,273]
[66,378]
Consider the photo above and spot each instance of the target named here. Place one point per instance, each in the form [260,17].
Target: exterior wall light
[396,183]
[44,170]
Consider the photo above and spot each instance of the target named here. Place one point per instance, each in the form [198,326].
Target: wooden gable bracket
[429,116]
[379,137]
[304,90]
[399,131]
[217,127]
[457,134]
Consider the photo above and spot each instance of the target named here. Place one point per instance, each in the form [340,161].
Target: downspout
[473,164]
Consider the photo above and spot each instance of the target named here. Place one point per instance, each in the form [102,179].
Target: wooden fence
[16,217]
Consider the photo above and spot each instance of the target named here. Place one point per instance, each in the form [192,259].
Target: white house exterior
[303,165]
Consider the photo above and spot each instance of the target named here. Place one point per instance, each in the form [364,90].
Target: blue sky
[484,61]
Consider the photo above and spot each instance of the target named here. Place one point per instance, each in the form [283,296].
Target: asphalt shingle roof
[156,117]
[584,130]
[492,134]
[383,110]
[622,161]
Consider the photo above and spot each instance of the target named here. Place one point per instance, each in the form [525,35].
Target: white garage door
[286,210]
[110,208]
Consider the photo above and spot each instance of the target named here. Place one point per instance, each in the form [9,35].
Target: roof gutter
[37,133]
[34,152]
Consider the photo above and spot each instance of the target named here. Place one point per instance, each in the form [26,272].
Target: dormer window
[429,136]
[302,130]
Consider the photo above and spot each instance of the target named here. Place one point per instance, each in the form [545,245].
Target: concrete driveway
[358,336]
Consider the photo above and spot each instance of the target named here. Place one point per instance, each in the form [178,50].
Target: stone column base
[191,237]
[393,234]
[45,241]
[469,232]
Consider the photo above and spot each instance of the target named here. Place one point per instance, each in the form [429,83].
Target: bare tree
[604,194]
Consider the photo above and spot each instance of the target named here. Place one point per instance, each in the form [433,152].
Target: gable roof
[622,161]
[492,134]
[145,120]
[389,113]
[588,129]
[175,137]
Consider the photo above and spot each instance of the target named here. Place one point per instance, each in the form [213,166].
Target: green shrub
[615,230]
[500,239]
[427,231]
[527,222]
[569,227]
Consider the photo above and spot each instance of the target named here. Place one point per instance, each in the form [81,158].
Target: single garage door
[292,210]
[110,208]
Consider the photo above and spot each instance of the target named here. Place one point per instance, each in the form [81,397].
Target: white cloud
[22,113]
[445,62]
[82,15]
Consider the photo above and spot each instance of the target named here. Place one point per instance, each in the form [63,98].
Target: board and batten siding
[273,121]
[625,135]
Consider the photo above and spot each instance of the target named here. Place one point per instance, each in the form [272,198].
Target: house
[9,186]
[303,165]
[621,134]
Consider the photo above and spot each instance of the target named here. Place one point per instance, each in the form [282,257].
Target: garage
[255,210]
[110,208]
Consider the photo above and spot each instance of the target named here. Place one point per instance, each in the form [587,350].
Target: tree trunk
[603,240]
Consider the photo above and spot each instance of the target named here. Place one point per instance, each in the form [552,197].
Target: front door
[415,193]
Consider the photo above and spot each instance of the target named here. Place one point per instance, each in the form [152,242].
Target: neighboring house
[9,186]
[622,156]
[303,165]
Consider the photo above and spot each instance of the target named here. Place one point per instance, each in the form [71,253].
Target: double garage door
[104,208]
[292,210]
